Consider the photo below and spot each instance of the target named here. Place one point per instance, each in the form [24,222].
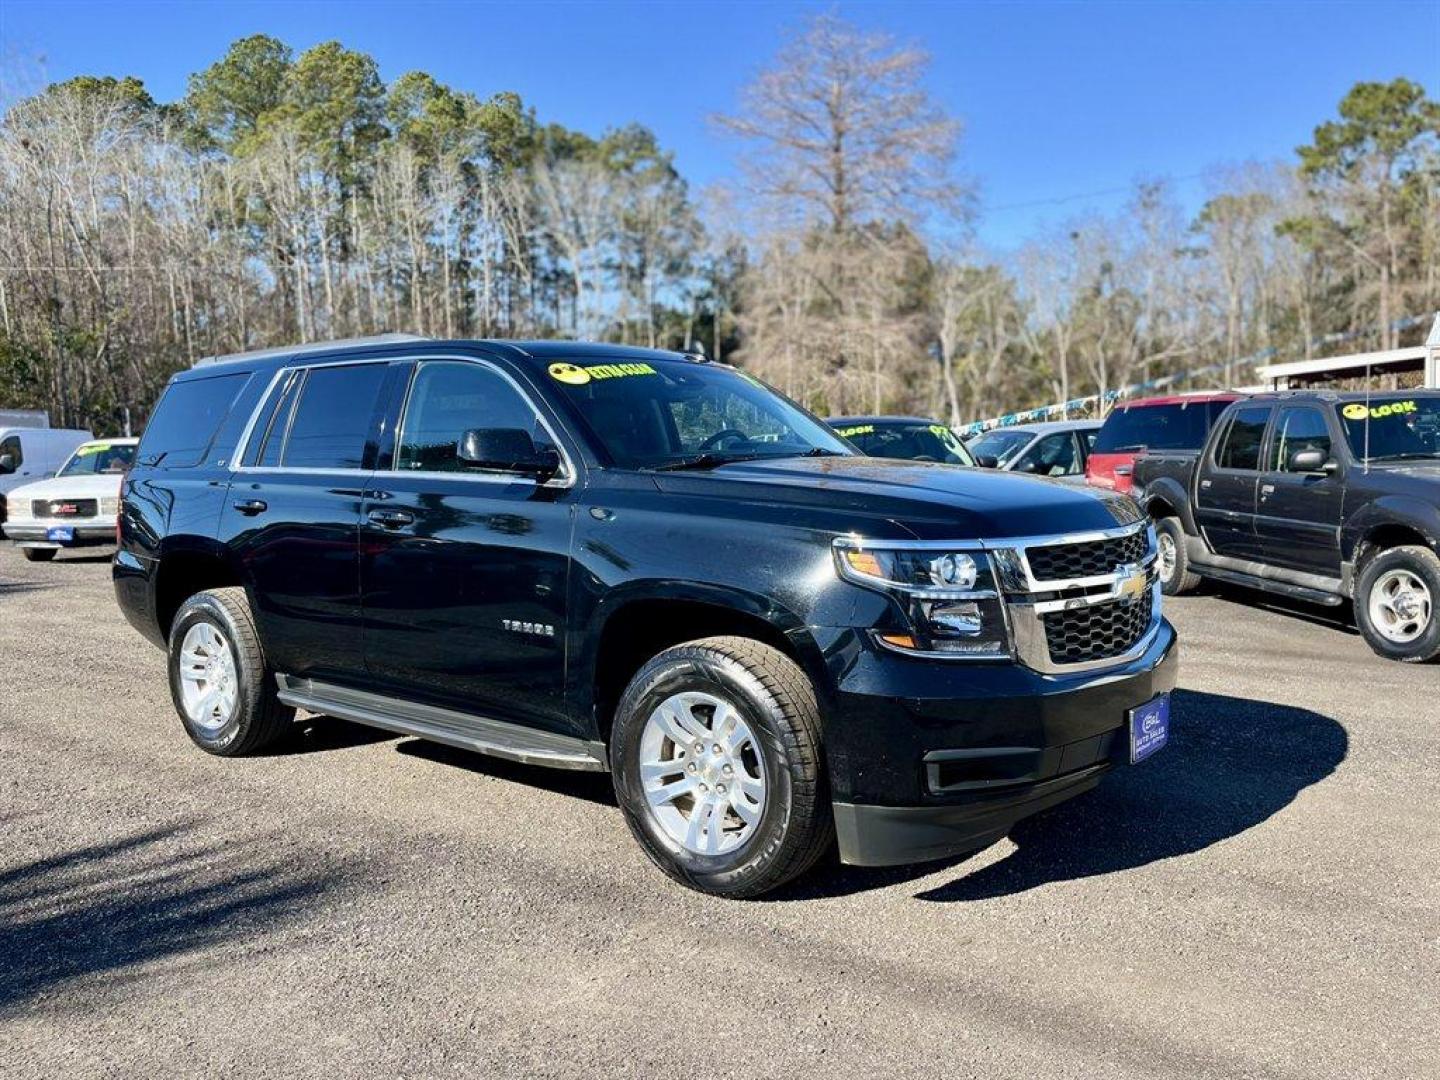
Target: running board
[1272,585]
[515,742]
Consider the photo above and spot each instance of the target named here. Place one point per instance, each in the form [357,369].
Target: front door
[465,571]
[1298,513]
[1224,499]
[292,516]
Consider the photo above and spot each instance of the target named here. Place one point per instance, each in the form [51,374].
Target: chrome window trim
[567,480]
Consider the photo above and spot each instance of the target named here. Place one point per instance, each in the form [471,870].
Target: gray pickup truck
[1320,496]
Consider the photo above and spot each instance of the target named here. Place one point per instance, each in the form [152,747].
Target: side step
[497,738]
[1271,585]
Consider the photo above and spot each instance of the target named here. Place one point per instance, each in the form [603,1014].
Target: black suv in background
[1319,496]
[596,557]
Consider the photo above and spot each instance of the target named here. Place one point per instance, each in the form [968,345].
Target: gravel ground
[1259,900]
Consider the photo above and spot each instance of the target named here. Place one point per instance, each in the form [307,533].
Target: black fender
[1166,489]
[1389,512]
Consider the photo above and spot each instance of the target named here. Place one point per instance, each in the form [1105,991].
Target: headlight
[951,603]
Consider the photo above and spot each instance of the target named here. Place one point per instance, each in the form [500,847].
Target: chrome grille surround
[1029,599]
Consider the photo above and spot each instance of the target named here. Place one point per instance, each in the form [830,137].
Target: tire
[39,554]
[775,702]
[1179,579]
[250,717]
[1392,584]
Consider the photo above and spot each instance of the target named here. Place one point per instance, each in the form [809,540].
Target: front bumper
[36,535]
[930,759]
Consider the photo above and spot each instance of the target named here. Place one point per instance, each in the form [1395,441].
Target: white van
[28,454]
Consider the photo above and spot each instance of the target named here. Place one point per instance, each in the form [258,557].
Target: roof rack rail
[309,347]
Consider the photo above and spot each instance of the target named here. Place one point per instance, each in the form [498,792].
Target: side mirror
[7,463]
[506,450]
[1311,461]
[986,461]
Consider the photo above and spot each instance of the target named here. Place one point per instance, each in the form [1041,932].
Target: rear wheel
[717,765]
[39,554]
[222,687]
[1174,564]
[1397,603]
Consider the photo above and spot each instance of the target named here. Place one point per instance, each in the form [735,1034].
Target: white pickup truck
[76,507]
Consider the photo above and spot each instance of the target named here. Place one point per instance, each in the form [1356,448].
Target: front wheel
[716,755]
[1397,603]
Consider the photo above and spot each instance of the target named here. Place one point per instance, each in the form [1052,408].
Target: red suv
[1164,423]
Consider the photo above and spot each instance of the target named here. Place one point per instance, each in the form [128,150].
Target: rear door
[465,571]
[1225,493]
[292,514]
[1297,513]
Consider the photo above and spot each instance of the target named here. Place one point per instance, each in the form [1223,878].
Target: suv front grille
[1098,631]
[1092,558]
[64,508]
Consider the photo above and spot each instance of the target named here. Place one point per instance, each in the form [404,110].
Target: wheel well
[1383,537]
[182,575]
[1159,508]
[643,628]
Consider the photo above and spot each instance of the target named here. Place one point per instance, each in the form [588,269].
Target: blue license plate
[60,534]
[1149,727]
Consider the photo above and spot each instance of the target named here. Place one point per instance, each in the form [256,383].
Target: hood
[95,486]
[939,502]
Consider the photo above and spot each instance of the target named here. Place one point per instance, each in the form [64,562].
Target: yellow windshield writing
[1357,410]
[575,375]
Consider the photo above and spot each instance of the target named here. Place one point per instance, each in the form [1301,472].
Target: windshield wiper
[706,461]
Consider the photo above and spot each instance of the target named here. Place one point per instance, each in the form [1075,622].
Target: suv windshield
[680,413]
[95,458]
[1392,428]
[1000,445]
[1178,426]
[910,442]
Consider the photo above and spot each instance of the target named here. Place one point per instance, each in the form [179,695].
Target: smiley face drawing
[569,373]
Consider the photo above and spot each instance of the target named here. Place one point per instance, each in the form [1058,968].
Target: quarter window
[184,423]
[1295,430]
[449,398]
[1242,441]
[332,418]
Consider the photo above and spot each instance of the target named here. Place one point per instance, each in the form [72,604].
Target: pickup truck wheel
[38,554]
[716,757]
[1174,564]
[1397,603]
[222,687]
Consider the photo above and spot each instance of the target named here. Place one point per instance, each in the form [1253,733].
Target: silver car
[1057,448]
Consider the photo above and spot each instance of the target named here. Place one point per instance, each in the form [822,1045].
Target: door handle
[1267,489]
[251,507]
[391,519]
[1205,483]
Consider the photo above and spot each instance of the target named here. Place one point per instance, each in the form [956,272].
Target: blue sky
[1063,103]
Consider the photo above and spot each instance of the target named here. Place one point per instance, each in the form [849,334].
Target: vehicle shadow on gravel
[593,786]
[1230,765]
[97,911]
[1340,618]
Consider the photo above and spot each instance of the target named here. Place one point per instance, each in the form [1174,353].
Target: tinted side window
[268,438]
[1180,426]
[1242,441]
[1295,430]
[332,417]
[449,398]
[10,447]
[189,414]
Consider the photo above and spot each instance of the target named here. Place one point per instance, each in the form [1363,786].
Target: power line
[1084,195]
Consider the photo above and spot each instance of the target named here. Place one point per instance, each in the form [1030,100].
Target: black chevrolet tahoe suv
[1321,496]
[608,558]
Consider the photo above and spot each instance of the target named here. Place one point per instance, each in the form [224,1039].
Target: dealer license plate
[1149,727]
[60,534]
